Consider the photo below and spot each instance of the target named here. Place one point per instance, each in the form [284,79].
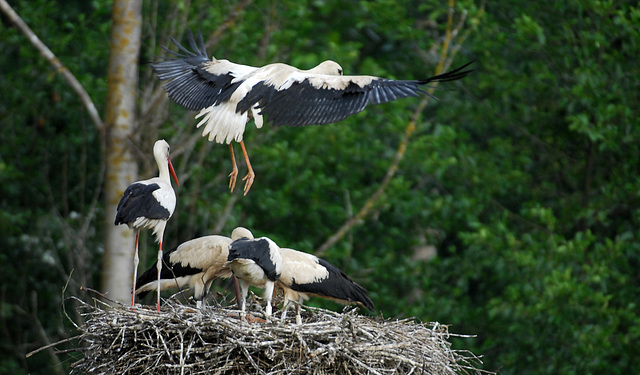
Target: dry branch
[213,340]
[57,64]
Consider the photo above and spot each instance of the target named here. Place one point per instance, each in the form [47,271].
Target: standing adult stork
[149,204]
[305,275]
[228,94]
[194,264]
[256,262]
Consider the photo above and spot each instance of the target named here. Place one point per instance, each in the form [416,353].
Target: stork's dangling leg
[136,261]
[234,173]
[250,175]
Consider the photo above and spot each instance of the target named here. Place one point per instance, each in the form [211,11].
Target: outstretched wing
[283,94]
[316,99]
[195,81]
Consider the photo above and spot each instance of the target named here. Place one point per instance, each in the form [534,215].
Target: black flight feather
[191,85]
[337,285]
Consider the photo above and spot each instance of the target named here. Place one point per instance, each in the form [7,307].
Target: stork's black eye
[340,71]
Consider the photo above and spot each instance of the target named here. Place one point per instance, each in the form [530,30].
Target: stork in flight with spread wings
[229,94]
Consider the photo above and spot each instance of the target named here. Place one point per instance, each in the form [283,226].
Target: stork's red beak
[173,172]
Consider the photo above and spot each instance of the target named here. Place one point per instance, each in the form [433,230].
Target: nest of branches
[214,340]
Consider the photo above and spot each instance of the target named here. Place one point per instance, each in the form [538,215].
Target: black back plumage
[169,271]
[337,285]
[138,201]
[258,251]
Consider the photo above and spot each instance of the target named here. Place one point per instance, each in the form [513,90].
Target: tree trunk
[121,169]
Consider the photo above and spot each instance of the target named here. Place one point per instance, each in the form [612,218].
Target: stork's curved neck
[163,168]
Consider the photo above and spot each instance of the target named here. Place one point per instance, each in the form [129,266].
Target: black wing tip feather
[197,50]
[452,75]
[189,84]
[367,303]
[141,295]
[361,296]
[354,292]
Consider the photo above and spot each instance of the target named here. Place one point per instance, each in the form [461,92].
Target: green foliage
[545,252]
[521,179]
[50,172]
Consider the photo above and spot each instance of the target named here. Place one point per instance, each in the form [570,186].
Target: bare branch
[57,64]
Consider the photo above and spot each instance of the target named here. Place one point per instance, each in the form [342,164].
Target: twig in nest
[183,340]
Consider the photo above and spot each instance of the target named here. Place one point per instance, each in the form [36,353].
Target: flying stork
[227,94]
[194,264]
[149,204]
[255,262]
[305,275]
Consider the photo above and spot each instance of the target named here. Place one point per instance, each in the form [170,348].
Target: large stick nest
[214,340]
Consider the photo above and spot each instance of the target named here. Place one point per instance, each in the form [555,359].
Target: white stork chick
[149,204]
[256,262]
[227,94]
[305,275]
[193,264]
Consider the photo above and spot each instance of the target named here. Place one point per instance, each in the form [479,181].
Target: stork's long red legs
[234,173]
[250,175]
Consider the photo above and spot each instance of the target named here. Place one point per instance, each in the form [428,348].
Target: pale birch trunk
[121,168]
